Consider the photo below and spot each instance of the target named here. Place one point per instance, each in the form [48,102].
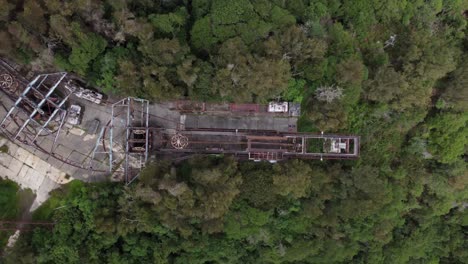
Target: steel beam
[93,154]
[20,98]
[126,140]
[51,117]
[39,105]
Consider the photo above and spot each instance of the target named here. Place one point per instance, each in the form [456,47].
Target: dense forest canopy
[394,72]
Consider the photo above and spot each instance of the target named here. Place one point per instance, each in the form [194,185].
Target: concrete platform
[29,171]
[282,124]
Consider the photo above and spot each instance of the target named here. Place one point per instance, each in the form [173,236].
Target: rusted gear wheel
[6,81]
[179,141]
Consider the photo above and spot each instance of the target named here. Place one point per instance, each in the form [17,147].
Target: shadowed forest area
[14,204]
[394,72]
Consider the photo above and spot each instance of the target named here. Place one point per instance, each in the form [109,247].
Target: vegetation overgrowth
[394,72]
[13,202]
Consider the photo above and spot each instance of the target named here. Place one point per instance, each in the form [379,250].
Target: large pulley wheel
[6,81]
[179,141]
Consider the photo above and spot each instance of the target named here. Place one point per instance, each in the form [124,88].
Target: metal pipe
[111,140]
[147,132]
[58,131]
[93,154]
[126,141]
[52,116]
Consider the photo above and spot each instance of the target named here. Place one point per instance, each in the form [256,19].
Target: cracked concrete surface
[29,171]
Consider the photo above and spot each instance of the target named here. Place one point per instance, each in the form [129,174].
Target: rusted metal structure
[124,145]
[128,140]
[125,142]
[249,108]
[38,111]
[10,82]
[188,106]
[35,112]
[269,146]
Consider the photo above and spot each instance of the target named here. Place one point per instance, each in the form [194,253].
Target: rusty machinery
[9,80]
[6,81]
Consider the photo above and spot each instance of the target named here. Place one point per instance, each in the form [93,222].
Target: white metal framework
[126,141]
[38,111]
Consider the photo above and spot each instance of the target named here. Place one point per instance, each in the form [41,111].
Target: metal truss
[126,141]
[38,111]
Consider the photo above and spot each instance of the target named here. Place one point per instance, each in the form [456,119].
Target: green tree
[248,223]
[33,17]
[104,68]
[326,116]
[202,88]
[19,32]
[241,75]
[204,198]
[128,78]
[7,44]
[350,71]
[9,199]
[455,94]
[358,15]
[59,28]
[6,8]
[170,23]
[202,37]
[200,8]
[448,136]
[164,51]
[257,185]
[85,48]
[157,85]
[281,17]
[385,86]
[292,179]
